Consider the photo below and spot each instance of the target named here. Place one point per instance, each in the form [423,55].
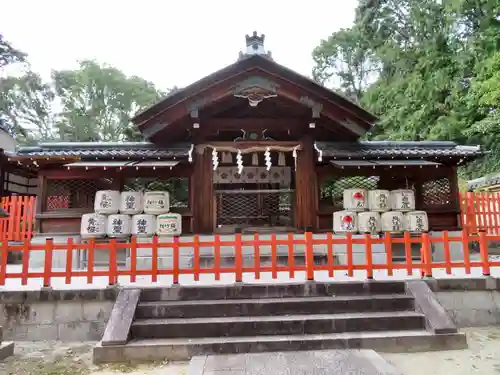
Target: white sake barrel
[118,226]
[131,202]
[392,221]
[416,221]
[169,224]
[402,200]
[355,199]
[107,202]
[143,225]
[369,222]
[379,200]
[345,221]
[156,202]
[93,226]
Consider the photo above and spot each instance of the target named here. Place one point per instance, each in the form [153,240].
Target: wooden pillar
[306,187]
[203,193]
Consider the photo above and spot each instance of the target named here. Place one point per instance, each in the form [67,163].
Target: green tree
[436,65]
[26,103]
[9,54]
[98,101]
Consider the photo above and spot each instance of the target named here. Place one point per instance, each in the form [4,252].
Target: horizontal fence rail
[21,213]
[423,266]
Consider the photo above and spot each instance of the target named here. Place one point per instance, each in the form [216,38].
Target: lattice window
[255,208]
[178,188]
[436,192]
[332,191]
[73,194]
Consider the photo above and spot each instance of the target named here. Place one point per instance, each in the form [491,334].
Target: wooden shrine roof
[286,83]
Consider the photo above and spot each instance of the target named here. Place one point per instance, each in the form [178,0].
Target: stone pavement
[322,362]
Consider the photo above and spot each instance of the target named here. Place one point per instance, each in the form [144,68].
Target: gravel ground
[53,358]
[480,358]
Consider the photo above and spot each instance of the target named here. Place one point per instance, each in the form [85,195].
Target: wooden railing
[18,226]
[480,212]
[310,246]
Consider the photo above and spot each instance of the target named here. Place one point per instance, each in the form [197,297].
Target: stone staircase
[181,322]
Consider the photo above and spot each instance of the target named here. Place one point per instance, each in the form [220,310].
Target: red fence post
[3,258]
[238,256]
[483,251]
[47,266]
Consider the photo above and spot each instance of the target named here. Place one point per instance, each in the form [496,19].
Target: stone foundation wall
[81,315]
[473,302]
[56,315]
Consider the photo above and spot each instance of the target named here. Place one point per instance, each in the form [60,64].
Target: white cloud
[168,42]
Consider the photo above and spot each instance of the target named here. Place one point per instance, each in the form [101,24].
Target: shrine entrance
[253,197]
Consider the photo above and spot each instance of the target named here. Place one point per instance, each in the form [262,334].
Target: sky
[171,43]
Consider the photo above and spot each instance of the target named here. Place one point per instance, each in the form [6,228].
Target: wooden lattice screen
[73,194]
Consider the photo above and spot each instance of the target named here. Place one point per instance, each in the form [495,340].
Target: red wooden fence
[480,212]
[425,265]
[19,225]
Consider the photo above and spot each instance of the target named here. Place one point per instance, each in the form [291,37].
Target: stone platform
[323,362]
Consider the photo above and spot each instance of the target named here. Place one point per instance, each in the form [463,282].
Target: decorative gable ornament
[255,89]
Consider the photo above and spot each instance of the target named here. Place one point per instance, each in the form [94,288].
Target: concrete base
[6,349]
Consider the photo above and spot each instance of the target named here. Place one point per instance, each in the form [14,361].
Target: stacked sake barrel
[376,211]
[121,214]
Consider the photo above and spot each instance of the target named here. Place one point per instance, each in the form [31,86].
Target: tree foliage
[92,103]
[9,54]
[431,70]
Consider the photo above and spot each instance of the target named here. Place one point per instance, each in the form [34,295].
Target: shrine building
[253,147]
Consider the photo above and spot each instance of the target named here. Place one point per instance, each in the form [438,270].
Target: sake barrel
[118,226]
[345,221]
[416,221]
[107,202]
[156,202]
[369,222]
[355,199]
[379,200]
[143,225]
[93,226]
[131,202]
[169,224]
[402,200]
[392,221]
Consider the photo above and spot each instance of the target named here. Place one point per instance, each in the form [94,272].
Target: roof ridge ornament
[255,46]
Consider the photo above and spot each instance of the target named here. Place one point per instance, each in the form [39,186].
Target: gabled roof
[256,64]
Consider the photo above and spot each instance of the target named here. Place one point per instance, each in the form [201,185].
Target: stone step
[276,325]
[184,349]
[274,306]
[279,290]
